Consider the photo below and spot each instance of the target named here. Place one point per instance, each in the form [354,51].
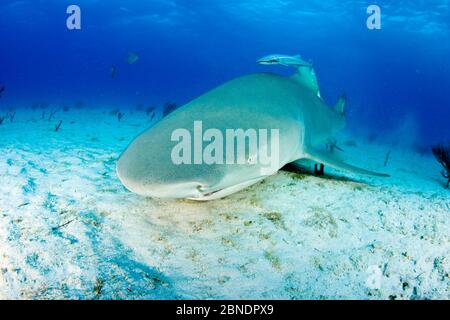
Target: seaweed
[11,115]
[98,287]
[117,113]
[331,145]
[386,158]
[52,113]
[442,155]
[58,126]
[149,110]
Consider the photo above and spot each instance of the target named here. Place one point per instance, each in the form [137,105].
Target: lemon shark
[167,160]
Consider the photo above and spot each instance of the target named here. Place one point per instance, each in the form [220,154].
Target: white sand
[68,229]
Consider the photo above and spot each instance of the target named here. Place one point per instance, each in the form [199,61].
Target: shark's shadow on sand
[122,276]
[118,274]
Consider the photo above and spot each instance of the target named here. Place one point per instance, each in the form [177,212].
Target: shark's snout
[148,180]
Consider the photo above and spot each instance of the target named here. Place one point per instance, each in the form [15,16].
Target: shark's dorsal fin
[340,105]
[329,160]
[306,76]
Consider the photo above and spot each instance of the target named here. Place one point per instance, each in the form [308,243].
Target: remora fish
[284,60]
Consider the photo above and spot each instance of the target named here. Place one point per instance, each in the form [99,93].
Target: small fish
[132,58]
[58,125]
[113,71]
[2,89]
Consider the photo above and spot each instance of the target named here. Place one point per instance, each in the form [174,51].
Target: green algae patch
[276,218]
[322,220]
[273,259]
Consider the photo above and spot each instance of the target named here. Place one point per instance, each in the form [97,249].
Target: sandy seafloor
[69,229]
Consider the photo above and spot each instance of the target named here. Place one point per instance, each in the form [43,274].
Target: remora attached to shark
[261,101]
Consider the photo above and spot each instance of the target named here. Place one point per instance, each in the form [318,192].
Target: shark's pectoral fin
[220,191]
[329,160]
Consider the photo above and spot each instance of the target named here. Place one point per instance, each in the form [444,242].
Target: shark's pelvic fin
[329,160]
[306,76]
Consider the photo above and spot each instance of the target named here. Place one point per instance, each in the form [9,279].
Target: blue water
[397,76]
